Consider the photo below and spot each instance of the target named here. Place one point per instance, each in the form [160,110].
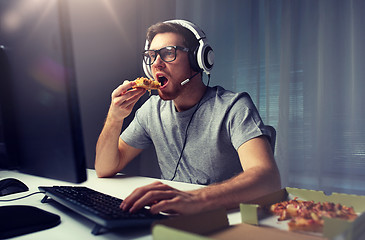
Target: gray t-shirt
[222,123]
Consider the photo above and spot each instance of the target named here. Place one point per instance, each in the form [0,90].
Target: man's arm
[260,177]
[113,154]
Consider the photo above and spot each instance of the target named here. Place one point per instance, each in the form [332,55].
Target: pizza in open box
[308,215]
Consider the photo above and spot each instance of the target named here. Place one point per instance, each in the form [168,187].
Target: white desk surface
[74,226]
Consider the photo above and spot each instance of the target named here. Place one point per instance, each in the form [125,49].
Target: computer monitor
[40,116]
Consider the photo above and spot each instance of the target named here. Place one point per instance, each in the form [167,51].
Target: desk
[74,226]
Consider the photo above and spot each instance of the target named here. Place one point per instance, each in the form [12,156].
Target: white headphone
[202,58]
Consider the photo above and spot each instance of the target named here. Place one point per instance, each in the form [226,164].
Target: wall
[108,36]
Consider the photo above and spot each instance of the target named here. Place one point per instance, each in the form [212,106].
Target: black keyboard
[98,207]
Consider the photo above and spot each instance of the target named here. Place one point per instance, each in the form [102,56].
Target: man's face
[170,74]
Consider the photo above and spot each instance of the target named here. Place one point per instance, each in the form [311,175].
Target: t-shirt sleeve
[136,134]
[244,121]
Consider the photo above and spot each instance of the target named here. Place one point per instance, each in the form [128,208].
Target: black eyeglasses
[167,54]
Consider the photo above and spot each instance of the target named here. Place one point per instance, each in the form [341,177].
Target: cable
[14,199]
[186,133]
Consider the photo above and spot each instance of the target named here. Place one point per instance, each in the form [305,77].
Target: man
[201,134]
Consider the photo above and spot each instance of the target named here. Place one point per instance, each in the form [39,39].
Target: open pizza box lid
[255,225]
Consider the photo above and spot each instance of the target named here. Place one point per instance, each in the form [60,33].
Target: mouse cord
[186,134]
[14,199]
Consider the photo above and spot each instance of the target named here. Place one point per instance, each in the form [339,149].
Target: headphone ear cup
[208,58]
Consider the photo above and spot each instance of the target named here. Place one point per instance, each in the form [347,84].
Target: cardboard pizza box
[257,225]
[252,213]
[214,225]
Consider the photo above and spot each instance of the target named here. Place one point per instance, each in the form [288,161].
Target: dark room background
[302,62]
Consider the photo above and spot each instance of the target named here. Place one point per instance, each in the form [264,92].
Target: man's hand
[162,198]
[123,100]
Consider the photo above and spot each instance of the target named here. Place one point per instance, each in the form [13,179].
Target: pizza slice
[146,83]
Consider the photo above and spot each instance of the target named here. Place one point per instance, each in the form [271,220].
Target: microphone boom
[188,79]
[185,81]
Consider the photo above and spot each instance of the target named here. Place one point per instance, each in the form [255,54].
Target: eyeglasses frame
[157,52]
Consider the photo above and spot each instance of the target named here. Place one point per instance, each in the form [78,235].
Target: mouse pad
[17,220]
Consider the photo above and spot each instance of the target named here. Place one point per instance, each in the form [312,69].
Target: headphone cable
[186,133]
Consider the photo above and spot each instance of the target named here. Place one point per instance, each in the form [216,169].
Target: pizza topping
[146,83]
[308,215]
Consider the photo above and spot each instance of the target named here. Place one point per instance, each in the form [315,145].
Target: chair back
[272,137]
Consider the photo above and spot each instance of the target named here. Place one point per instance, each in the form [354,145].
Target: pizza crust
[306,225]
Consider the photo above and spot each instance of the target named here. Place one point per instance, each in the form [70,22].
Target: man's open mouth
[162,80]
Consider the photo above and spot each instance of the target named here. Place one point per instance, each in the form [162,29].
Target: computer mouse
[12,185]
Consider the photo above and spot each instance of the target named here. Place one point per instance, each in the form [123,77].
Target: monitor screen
[40,117]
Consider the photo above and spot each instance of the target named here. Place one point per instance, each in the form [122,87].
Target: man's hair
[189,39]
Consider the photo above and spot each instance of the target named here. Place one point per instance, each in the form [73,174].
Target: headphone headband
[198,33]
[203,58]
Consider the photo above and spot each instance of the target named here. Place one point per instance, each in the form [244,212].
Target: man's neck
[190,97]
